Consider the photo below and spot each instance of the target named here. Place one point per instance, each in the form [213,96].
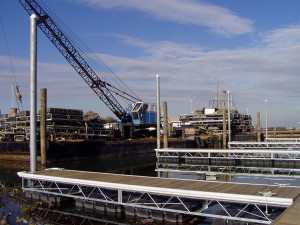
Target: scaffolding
[62,124]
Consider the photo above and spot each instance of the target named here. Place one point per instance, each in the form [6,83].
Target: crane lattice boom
[104,90]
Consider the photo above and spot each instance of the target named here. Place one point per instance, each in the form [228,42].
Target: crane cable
[16,86]
[107,75]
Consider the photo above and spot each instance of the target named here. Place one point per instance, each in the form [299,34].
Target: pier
[157,196]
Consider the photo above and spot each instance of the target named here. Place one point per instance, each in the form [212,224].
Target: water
[20,211]
[143,165]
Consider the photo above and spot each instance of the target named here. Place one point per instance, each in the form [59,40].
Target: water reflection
[143,165]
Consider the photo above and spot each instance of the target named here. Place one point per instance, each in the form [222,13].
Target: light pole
[33,86]
[191,99]
[229,122]
[158,110]
[266,103]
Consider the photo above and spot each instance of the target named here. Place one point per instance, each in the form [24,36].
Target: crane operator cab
[143,113]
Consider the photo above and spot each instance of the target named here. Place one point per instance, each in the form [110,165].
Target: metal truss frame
[227,154]
[208,169]
[283,139]
[213,208]
[264,145]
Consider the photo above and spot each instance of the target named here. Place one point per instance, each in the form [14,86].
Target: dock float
[276,158]
[242,154]
[270,144]
[230,201]
[290,216]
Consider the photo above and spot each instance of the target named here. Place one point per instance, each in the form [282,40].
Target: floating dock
[208,170]
[274,154]
[290,216]
[271,144]
[158,196]
[277,158]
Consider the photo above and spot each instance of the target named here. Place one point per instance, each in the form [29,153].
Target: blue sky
[251,46]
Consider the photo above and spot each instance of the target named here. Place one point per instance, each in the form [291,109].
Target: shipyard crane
[140,112]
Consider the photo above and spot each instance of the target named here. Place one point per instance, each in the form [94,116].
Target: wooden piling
[14,111]
[224,128]
[43,126]
[165,111]
[258,127]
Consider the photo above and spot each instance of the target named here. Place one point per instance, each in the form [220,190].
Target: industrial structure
[207,125]
[62,124]
[98,76]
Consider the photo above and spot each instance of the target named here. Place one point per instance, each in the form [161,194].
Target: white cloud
[219,19]
[283,37]
[63,83]
[252,74]
[268,71]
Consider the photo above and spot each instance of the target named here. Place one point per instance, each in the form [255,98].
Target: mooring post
[229,119]
[158,111]
[224,128]
[258,127]
[33,87]
[14,111]
[43,126]
[165,111]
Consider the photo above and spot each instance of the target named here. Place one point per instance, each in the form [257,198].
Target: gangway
[259,204]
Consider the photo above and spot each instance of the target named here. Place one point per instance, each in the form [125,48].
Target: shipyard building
[205,125]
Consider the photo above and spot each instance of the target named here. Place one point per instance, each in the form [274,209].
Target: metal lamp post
[266,103]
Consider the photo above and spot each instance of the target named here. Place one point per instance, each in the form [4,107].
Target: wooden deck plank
[205,186]
[290,216]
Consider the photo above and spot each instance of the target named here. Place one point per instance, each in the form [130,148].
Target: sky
[252,47]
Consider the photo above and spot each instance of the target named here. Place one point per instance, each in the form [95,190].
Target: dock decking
[290,216]
[186,188]
[181,196]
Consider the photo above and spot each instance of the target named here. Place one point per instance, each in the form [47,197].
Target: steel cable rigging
[77,57]
[94,61]
[17,93]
